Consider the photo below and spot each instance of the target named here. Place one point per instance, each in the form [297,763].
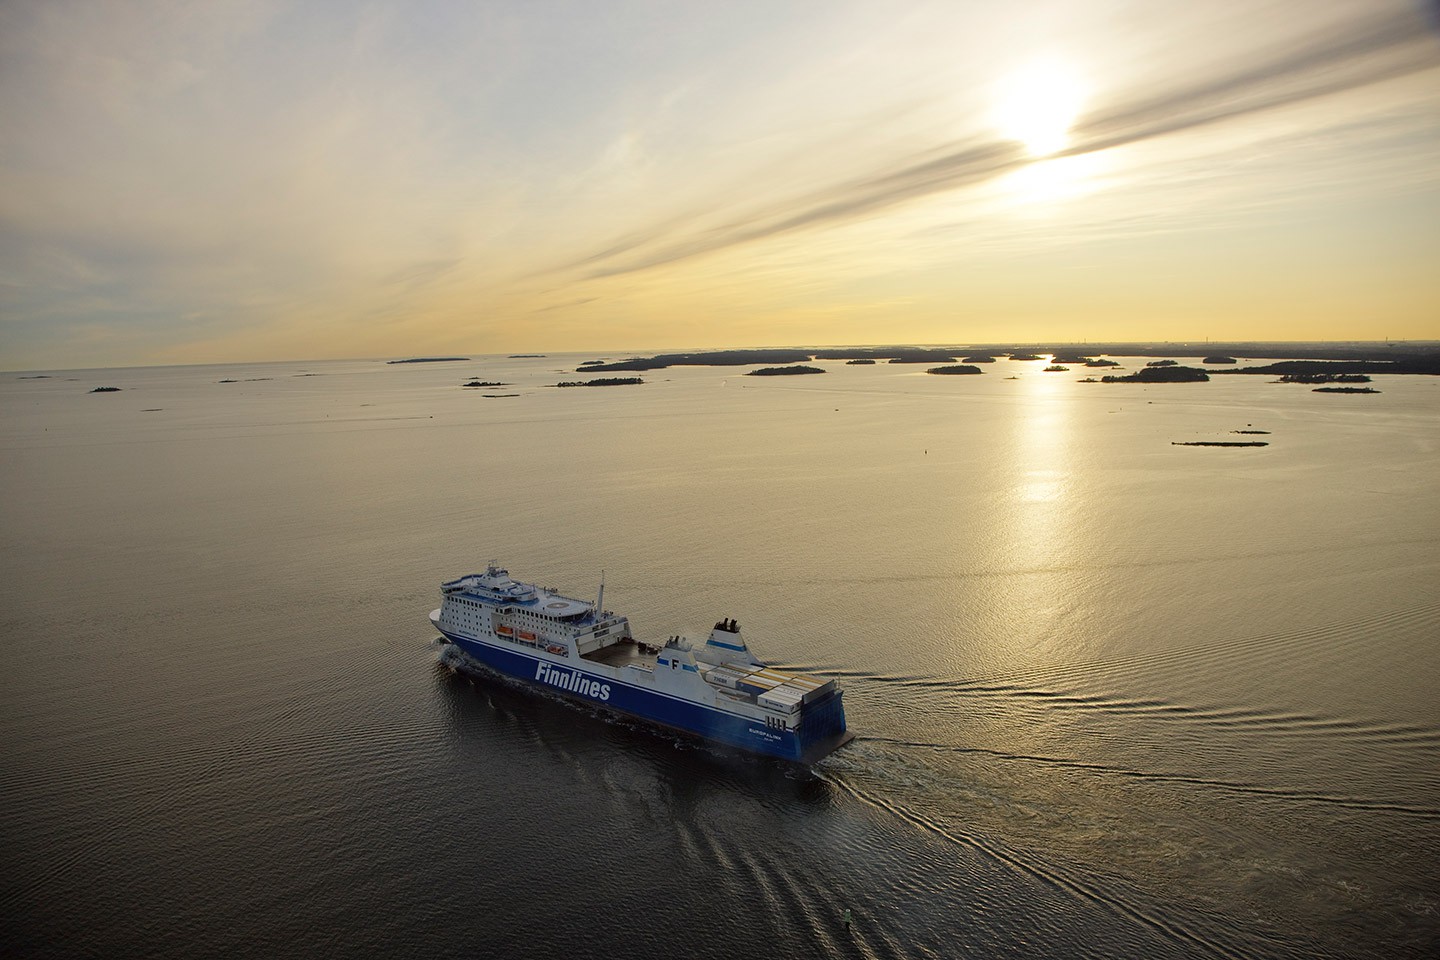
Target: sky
[195,182]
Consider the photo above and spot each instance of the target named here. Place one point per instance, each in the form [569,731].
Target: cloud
[1346,57]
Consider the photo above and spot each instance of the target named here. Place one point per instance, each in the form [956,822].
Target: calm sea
[1115,697]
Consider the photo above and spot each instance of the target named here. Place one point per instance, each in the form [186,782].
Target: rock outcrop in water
[1219,443]
[1324,378]
[955,370]
[599,382]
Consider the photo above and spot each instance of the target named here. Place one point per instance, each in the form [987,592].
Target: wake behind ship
[718,690]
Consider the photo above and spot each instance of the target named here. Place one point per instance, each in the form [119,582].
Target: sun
[1037,105]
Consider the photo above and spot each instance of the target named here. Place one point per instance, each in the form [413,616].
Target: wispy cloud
[1356,54]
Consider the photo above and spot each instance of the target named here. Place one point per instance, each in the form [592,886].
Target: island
[428,360]
[783,371]
[526,356]
[484,383]
[1162,363]
[959,369]
[860,362]
[106,390]
[1024,356]
[716,358]
[979,358]
[924,356]
[1218,359]
[601,382]
[1069,358]
[1102,363]
[1176,374]
[1345,390]
[1056,368]
[1418,362]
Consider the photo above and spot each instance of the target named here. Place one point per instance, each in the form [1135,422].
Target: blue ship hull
[811,742]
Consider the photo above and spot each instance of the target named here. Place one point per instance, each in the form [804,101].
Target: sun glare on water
[1037,105]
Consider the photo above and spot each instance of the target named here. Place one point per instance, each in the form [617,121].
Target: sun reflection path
[1042,521]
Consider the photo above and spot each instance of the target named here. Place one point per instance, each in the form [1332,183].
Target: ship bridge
[496,587]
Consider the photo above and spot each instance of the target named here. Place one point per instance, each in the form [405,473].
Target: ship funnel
[726,645]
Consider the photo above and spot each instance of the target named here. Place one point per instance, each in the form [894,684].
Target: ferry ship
[717,690]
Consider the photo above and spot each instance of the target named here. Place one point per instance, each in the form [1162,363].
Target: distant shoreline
[1416,356]
[1357,357]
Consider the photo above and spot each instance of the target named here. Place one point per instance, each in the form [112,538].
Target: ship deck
[620,655]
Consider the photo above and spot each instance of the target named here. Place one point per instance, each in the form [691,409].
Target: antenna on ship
[600,599]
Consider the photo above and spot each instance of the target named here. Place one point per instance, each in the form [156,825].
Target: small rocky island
[1056,368]
[1218,359]
[783,371]
[1219,443]
[1102,363]
[428,360]
[106,390]
[484,383]
[1345,390]
[1166,374]
[1024,356]
[601,382]
[959,369]
[1324,378]
[980,358]
[863,361]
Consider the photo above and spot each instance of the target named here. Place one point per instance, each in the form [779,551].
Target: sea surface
[1114,697]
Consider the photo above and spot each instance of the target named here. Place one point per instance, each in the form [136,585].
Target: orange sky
[258,181]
